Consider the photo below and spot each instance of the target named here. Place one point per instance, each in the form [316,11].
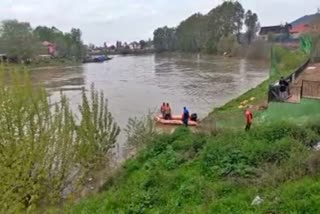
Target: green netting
[297,113]
[306,44]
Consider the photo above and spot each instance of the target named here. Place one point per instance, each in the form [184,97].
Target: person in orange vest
[167,112]
[163,109]
[248,118]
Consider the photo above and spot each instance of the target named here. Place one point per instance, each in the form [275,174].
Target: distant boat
[98,59]
[175,120]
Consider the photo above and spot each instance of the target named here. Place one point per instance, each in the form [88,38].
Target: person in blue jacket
[185,116]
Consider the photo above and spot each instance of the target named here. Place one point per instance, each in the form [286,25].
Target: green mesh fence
[306,44]
[297,113]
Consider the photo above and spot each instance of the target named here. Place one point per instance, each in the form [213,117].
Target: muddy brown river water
[136,84]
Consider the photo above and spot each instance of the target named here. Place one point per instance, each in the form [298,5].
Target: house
[276,31]
[306,19]
[299,30]
[51,47]
[306,24]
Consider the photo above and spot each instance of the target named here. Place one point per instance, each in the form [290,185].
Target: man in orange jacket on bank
[248,118]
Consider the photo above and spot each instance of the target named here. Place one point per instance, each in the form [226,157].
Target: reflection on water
[136,84]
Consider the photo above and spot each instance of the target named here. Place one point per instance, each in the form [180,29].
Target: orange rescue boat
[175,120]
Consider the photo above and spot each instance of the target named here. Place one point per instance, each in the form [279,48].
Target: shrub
[313,163]
[44,149]
[259,50]
[140,133]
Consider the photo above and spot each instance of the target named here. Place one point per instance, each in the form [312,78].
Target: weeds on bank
[197,173]
[44,150]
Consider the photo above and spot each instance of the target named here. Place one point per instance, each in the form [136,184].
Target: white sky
[128,20]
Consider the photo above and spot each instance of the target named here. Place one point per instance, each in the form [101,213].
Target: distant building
[306,24]
[51,47]
[276,31]
[308,19]
[299,30]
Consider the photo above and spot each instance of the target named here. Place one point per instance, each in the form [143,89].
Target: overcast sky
[128,20]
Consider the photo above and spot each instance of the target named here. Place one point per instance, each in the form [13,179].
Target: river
[134,85]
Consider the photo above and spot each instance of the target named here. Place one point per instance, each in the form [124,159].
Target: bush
[228,45]
[140,133]
[259,50]
[44,149]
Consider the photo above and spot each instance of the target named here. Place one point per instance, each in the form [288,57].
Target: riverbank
[43,64]
[230,115]
[129,52]
[224,171]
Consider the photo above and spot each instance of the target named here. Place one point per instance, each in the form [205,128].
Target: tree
[227,18]
[17,40]
[251,22]
[143,44]
[62,46]
[191,33]
[224,20]
[76,35]
[165,39]
[204,32]
[44,33]
[227,44]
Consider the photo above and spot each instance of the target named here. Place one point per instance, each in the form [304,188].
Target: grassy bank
[230,115]
[44,63]
[196,173]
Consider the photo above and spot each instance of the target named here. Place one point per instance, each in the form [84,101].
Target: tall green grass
[43,148]
[197,173]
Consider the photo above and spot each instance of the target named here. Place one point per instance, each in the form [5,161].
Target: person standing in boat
[163,109]
[167,114]
[185,116]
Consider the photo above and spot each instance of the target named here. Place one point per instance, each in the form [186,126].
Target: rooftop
[306,19]
[272,29]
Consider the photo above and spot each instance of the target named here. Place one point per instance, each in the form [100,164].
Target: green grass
[44,63]
[277,111]
[297,113]
[196,173]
